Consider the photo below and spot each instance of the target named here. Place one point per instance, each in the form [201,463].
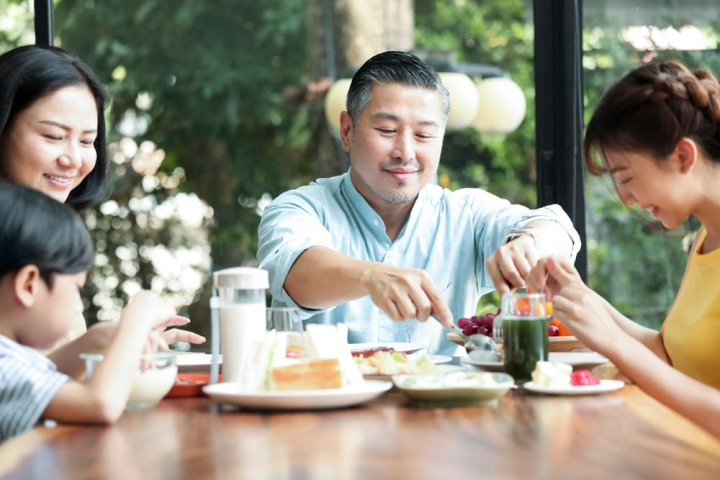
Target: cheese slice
[551,374]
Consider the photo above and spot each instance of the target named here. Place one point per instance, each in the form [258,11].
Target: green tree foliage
[499,34]
[215,72]
[206,83]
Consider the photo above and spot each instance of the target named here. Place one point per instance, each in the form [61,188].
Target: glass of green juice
[524,332]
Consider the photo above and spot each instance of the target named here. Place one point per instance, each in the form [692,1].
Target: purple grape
[553,331]
[490,319]
[484,330]
[469,329]
[463,321]
[482,322]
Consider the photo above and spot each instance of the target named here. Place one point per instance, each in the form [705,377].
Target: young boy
[45,253]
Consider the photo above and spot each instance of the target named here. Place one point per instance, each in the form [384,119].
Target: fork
[497,328]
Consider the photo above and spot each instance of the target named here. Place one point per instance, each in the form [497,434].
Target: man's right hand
[405,293]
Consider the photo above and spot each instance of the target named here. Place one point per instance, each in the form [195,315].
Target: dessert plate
[298,399]
[604,386]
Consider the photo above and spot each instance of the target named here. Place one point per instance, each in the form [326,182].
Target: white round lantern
[463,99]
[335,101]
[502,106]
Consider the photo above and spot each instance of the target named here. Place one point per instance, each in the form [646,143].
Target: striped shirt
[28,382]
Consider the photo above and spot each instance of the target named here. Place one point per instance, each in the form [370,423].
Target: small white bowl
[150,385]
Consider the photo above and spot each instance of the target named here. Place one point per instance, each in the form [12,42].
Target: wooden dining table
[623,434]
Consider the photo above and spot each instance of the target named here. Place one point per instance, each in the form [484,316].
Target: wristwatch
[515,233]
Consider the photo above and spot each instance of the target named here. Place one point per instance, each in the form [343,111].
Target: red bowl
[189,385]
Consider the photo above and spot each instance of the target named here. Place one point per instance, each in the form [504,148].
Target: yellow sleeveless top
[691,331]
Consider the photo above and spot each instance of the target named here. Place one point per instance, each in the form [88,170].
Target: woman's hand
[563,274]
[579,308]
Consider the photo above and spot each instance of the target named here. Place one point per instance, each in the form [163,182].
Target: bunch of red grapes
[482,324]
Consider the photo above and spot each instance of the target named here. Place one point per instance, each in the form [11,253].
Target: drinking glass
[288,320]
[524,332]
[284,320]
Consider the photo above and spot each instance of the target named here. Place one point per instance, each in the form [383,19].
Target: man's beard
[395,198]
[398,197]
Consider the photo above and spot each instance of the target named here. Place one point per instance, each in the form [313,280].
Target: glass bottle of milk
[241,303]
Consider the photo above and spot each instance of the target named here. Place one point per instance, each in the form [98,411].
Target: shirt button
[376,222]
[389,255]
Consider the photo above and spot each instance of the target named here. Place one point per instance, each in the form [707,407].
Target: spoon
[480,347]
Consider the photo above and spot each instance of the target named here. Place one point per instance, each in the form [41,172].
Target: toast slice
[311,375]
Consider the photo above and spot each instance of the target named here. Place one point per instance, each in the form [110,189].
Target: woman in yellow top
[657,132]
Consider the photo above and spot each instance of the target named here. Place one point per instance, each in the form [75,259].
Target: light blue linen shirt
[449,234]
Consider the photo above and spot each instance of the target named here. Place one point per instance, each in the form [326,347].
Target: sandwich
[327,362]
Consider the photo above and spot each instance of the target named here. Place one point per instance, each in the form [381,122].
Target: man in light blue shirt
[379,245]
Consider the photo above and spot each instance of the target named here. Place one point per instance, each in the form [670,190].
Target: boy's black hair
[37,230]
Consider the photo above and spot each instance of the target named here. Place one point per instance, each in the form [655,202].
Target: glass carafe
[238,318]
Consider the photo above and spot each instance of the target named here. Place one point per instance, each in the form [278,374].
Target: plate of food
[325,376]
[298,399]
[369,348]
[385,363]
[602,387]
[454,387]
[555,378]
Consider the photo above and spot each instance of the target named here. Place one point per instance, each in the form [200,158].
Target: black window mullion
[559,111]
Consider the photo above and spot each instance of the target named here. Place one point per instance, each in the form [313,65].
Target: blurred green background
[218,107]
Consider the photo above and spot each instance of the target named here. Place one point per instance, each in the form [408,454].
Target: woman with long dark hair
[657,132]
[53,139]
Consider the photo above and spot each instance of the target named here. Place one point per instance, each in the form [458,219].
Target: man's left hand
[510,265]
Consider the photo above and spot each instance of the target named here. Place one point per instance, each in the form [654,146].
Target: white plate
[195,362]
[298,399]
[489,366]
[604,386]
[398,347]
[438,359]
[578,360]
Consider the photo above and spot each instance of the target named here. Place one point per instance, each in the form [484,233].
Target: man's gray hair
[388,68]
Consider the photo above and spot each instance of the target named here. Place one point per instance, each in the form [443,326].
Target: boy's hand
[148,309]
[176,335]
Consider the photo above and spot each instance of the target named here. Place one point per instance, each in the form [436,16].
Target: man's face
[395,146]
